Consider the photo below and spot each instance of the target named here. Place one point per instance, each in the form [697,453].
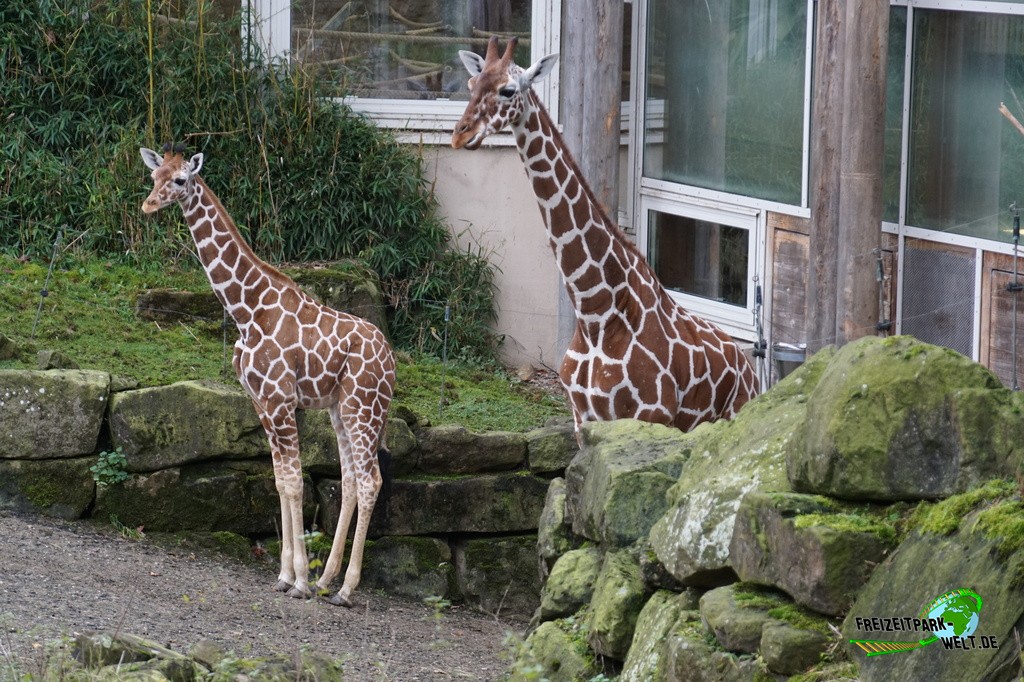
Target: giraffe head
[497,92]
[172,177]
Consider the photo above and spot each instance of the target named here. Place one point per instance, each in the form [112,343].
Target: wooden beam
[591,84]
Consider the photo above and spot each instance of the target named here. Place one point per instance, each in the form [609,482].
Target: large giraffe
[635,352]
[292,353]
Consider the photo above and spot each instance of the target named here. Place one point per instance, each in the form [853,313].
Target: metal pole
[444,357]
[46,285]
[1015,288]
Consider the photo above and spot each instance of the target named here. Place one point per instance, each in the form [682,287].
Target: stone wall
[457,520]
[877,481]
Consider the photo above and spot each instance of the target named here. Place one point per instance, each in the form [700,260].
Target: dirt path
[58,578]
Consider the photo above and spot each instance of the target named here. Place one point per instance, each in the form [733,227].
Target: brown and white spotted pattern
[635,352]
[292,353]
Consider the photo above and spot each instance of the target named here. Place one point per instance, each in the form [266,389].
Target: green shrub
[303,177]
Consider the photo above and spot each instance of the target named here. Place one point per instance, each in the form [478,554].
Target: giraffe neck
[596,259]
[235,272]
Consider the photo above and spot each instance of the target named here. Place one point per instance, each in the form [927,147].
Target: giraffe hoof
[282,586]
[296,593]
[339,600]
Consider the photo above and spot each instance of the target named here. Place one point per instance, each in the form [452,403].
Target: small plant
[110,468]
[126,531]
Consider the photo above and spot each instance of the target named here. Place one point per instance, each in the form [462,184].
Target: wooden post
[591,83]
[826,156]
[860,202]
[846,162]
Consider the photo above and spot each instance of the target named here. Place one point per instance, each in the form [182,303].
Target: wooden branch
[1011,118]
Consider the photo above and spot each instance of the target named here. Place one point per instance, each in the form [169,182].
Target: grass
[89,316]
[943,518]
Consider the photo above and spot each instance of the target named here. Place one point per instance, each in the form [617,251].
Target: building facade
[717,179]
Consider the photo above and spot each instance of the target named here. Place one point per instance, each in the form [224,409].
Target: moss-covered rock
[221,542]
[571,583]
[619,594]
[236,496]
[496,575]
[660,617]
[692,657]
[57,487]
[556,651]
[100,649]
[881,426]
[185,422]
[616,485]
[554,535]
[453,449]
[495,503]
[818,551]
[731,459]
[788,650]
[550,449]
[348,286]
[736,626]
[49,415]
[55,359]
[178,306]
[986,557]
[416,567]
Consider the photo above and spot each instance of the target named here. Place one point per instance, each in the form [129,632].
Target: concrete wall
[488,202]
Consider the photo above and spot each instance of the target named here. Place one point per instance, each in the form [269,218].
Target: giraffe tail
[386,463]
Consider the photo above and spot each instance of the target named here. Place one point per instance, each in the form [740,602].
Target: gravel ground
[58,578]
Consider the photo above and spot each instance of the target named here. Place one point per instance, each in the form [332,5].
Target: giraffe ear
[538,72]
[195,164]
[151,158]
[473,62]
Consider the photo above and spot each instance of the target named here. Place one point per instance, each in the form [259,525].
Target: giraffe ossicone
[635,351]
[292,353]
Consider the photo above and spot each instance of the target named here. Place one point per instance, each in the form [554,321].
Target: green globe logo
[959,610]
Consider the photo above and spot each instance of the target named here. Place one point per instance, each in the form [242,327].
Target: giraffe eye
[180,182]
[508,91]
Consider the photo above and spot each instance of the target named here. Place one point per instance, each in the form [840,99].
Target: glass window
[403,49]
[896,67]
[966,160]
[699,257]
[725,95]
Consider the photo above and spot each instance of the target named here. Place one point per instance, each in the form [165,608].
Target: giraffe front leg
[348,506]
[282,432]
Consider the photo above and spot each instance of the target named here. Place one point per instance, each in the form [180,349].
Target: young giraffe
[635,352]
[293,353]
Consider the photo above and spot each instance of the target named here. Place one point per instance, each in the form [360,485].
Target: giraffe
[635,352]
[292,353]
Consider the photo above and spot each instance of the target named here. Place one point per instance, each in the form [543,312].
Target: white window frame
[421,121]
[738,321]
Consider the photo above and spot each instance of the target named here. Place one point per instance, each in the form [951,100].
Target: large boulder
[690,657]
[554,535]
[57,487]
[619,594]
[453,449]
[557,652]
[494,503]
[238,496]
[815,549]
[550,449]
[416,567]
[616,484]
[735,623]
[496,575]
[571,583]
[52,414]
[347,286]
[970,542]
[731,459]
[885,423]
[178,306]
[189,421]
[663,614]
